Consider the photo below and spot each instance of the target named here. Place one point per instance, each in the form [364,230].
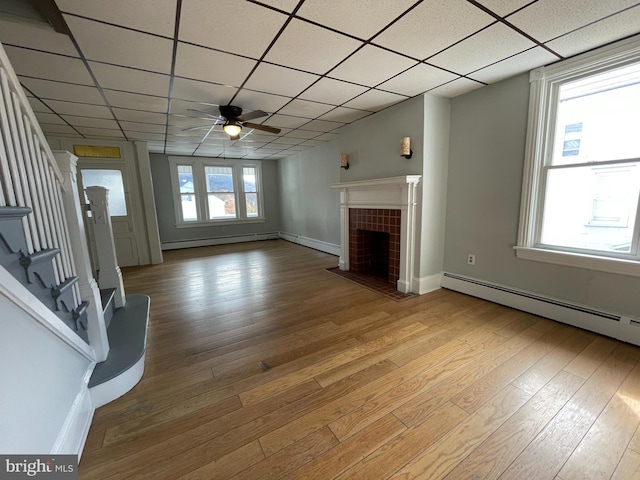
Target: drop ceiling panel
[310,48]
[107,123]
[142,127]
[335,92]
[154,16]
[279,80]
[547,19]
[130,80]
[209,65]
[375,100]
[610,29]
[360,18]
[302,134]
[50,118]
[305,108]
[433,26]
[511,66]
[504,7]
[39,38]
[250,100]
[119,46]
[137,101]
[79,109]
[344,115]
[59,130]
[37,105]
[259,26]
[100,132]
[49,66]
[371,66]
[133,135]
[417,80]
[46,89]
[322,126]
[199,91]
[286,121]
[139,116]
[455,88]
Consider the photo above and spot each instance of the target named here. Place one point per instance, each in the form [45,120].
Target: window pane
[219,179]
[112,180]
[598,118]
[249,179]
[591,208]
[252,205]
[189,211]
[185,179]
[222,205]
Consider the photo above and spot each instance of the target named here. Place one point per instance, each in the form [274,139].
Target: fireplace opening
[374,254]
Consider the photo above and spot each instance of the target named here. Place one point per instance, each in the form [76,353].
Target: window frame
[201,194]
[543,102]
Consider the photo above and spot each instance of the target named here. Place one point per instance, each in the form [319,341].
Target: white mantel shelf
[399,193]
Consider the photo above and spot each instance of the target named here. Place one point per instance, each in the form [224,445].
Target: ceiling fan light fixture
[232,128]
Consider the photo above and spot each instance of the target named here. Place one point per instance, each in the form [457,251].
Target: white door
[114,178]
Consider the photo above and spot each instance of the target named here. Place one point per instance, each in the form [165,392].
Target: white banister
[88,286]
[109,274]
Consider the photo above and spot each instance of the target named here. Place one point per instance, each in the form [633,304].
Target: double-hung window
[215,191]
[581,186]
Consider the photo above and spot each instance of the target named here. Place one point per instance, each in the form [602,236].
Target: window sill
[590,262]
[214,223]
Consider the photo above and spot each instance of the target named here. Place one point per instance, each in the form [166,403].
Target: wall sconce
[344,161]
[405,148]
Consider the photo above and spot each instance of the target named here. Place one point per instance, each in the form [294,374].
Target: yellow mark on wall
[96,151]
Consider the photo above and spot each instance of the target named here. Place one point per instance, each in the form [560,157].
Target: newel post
[89,290]
[109,274]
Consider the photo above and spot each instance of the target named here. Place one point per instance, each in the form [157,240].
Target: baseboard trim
[74,431]
[613,325]
[116,387]
[207,242]
[422,285]
[326,247]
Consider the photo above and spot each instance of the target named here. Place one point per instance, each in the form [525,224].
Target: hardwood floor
[260,364]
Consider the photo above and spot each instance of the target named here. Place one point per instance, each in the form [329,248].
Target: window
[209,191]
[581,186]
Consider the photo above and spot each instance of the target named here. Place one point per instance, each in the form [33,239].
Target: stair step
[127,336]
[11,232]
[63,294]
[79,316]
[39,265]
[107,296]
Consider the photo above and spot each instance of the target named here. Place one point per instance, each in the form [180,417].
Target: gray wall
[166,214]
[488,129]
[40,376]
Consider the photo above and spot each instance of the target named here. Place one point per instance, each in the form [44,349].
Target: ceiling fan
[234,120]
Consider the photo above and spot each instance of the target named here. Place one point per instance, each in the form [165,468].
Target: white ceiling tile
[417,80]
[180,107]
[190,120]
[310,48]
[305,108]
[288,141]
[119,46]
[198,91]
[44,38]
[279,80]
[328,137]
[344,115]
[522,62]
[360,18]
[91,122]
[259,25]
[433,26]
[99,132]
[37,105]
[250,100]
[547,19]
[605,31]
[155,16]
[133,135]
[204,64]
[140,116]
[504,7]
[491,45]
[334,92]
[142,127]
[302,134]
[31,63]
[50,118]
[375,100]
[63,91]
[311,143]
[455,88]
[322,125]
[130,80]
[79,109]
[371,66]
[285,121]
[136,101]
[59,130]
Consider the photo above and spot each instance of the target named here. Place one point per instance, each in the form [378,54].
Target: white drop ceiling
[133,69]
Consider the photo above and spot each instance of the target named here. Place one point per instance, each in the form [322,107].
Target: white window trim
[200,191]
[539,129]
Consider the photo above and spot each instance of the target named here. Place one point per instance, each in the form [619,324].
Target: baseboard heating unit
[611,324]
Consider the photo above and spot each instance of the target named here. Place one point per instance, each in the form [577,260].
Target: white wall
[41,378]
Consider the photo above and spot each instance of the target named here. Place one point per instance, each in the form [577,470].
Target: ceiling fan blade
[210,115]
[251,115]
[264,128]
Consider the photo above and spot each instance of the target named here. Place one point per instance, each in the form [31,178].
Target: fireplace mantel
[384,193]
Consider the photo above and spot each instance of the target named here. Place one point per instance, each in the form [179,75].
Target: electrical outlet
[471,259]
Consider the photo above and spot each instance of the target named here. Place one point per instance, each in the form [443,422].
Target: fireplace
[378,228]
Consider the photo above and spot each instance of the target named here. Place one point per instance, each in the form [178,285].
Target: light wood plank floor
[260,364]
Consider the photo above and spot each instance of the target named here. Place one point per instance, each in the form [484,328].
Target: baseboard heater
[611,324]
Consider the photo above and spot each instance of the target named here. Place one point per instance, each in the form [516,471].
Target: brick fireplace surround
[381,205]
